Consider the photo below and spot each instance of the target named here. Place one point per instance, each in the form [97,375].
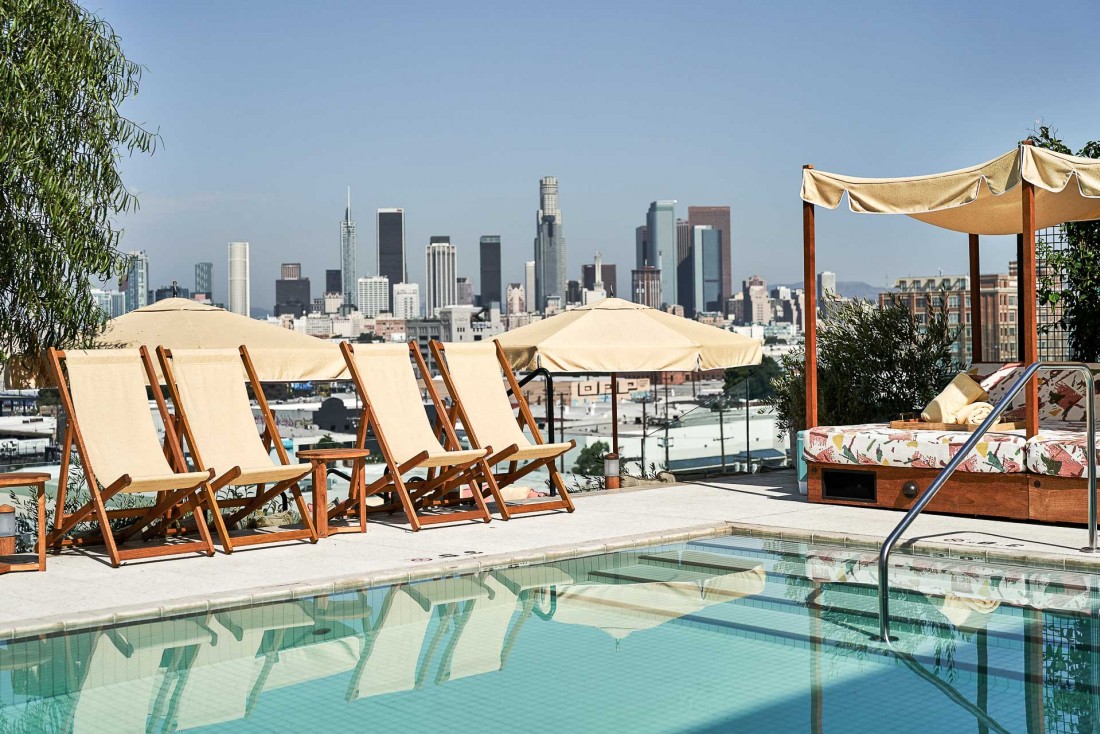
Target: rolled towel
[962,391]
[973,414]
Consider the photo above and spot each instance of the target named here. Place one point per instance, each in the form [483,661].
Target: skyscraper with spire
[549,248]
[348,275]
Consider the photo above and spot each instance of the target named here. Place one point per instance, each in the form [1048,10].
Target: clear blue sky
[454,110]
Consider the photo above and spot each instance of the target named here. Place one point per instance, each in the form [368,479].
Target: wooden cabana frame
[1028,323]
[1022,191]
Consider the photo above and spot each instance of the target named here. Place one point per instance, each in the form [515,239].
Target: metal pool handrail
[963,453]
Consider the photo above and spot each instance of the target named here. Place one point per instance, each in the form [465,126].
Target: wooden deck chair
[398,650]
[480,402]
[109,421]
[208,391]
[393,409]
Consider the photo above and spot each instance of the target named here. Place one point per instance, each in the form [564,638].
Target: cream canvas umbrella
[614,335]
[280,355]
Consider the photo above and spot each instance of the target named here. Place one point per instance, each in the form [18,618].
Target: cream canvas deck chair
[215,418]
[472,374]
[392,408]
[109,422]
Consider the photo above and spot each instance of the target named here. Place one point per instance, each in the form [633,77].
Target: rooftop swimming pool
[724,634]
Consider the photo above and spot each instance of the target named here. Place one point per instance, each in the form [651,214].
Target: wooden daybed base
[1019,496]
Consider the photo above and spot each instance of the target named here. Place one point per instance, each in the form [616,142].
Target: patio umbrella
[280,355]
[614,336]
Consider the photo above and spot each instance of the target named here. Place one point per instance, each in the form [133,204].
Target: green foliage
[590,460]
[76,496]
[326,442]
[873,365]
[1071,278]
[63,77]
[759,378]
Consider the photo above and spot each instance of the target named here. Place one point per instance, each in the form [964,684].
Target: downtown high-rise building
[755,304]
[644,256]
[333,283]
[550,257]
[826,285]
[292,292]
[516,301]
[490,270]
[645,286]
[135,280]
[406,301]
[239,302]
[440,281]
[204,281]
[529,286]
[699,273]
[464,291]
[390,237]
[607,278]
[661,242]
[373,295]
[718,217]
[111,303]
[348,268]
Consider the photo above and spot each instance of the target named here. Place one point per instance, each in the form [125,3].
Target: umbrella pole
[614,415]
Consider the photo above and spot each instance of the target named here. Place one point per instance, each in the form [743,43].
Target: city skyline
[278,73]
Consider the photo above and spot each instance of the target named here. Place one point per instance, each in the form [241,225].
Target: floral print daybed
[1058,449]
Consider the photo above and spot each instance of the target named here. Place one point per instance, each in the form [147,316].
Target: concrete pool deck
[80,590]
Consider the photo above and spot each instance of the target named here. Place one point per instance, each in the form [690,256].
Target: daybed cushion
[1059,453]
[1061,392]
[876,444]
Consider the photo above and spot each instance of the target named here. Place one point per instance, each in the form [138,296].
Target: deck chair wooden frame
[513,453]
[447,471]
[236,475]
[177,490]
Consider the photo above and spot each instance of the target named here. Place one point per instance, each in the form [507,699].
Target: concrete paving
[81,590]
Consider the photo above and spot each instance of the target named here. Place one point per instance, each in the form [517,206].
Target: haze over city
[268,112]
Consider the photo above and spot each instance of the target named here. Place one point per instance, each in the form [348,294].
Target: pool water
[718,635]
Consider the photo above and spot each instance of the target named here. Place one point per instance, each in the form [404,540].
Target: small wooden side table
[322,513]
[38,481]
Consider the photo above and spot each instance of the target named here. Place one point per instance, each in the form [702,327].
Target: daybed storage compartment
[991,495]
[846,484]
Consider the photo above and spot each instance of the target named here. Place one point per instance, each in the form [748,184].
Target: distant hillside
[849,289]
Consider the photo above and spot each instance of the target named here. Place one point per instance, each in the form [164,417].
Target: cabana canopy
[280,355]
[982,199]
[619,336]
[1017,193]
